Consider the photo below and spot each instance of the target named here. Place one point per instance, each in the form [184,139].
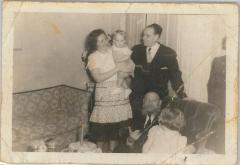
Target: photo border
[10,12]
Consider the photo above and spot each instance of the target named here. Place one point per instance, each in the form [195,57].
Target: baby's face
[119,41]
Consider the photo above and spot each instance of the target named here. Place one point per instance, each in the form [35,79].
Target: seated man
[151,110]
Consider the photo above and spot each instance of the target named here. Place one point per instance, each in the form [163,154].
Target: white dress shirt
[147,118]
[152,51]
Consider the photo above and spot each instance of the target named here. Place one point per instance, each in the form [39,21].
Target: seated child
[165,137]
[121,55]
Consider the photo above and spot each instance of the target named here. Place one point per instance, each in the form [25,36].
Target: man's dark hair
[157,28]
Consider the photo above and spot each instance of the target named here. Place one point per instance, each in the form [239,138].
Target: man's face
[151,103]
[149,37]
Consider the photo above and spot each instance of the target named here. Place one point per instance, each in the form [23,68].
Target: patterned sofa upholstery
[50,113]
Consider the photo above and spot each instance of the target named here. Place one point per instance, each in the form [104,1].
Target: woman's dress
[111,112]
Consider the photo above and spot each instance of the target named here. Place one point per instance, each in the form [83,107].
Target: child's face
[119,41]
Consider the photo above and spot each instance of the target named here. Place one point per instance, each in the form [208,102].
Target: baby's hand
[126,68]
[122,67]
[123,74]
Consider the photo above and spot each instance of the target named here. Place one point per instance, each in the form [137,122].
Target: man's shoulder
[138,47]
[167,50]
[219,59]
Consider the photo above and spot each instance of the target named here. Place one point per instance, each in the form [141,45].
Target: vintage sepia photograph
[114,80]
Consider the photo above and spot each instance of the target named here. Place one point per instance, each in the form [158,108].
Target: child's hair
[172,118]
[121,32]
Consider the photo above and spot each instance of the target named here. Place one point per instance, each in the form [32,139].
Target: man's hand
[133,136]
[130,142]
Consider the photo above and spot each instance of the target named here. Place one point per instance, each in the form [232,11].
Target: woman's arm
[148,144]
[100,77]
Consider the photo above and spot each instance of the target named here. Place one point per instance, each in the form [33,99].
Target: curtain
[199,41]
[135,23]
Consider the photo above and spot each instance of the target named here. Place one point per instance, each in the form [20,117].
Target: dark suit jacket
[138,145]
[156,75]
[216,96]
[217,83]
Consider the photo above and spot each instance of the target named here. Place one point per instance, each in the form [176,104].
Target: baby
[165,138]
[121,55]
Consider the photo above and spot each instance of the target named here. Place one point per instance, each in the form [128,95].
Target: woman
[111,112]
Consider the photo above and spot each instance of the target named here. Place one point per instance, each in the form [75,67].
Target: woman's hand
[117,55]
[100,77]
[123,67]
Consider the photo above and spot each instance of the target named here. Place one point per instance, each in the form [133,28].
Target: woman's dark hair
[172,118]
[91,47]
[91,40]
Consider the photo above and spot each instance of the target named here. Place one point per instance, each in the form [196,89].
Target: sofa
[49,114]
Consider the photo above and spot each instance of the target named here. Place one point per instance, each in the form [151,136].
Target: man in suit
[216,96]
[156,65]
[150,112]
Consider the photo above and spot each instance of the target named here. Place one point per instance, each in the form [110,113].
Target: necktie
[149,122]
[149,58]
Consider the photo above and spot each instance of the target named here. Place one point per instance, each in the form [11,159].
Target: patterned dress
[111,112]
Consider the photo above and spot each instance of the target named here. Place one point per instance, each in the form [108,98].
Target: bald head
[151,96]
[151,103]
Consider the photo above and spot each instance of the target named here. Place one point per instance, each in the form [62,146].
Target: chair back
[200,118]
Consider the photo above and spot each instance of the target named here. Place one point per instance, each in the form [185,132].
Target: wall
[48,47]
[135,23]
[199,41]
